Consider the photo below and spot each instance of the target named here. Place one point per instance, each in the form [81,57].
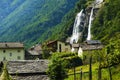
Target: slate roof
[90,42]
[27,66]
[51,42]
[76,45]
[91,47]
[36,50]
[11,45]
[38,47]
[28,69]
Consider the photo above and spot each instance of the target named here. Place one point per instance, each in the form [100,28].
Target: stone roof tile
[11,45]
[27,66]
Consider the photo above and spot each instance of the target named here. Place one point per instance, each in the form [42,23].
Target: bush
[60,63]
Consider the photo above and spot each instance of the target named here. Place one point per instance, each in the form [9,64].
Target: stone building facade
[12,51]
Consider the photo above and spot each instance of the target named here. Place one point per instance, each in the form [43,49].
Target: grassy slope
[105,74]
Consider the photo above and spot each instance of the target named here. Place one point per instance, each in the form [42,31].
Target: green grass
[105,73]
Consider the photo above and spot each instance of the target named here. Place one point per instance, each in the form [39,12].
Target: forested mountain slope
[8,6]
[38,20]
[106,26]
[28,20]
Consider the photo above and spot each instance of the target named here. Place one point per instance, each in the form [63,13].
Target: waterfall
[89,26]
[77,23]
[77,28]
[98,1]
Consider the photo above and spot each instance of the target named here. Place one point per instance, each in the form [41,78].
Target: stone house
[34,52]
[63,47]
[12,51]
[59,46]
[92,45]
[28,69]
[52,45]
[88,45]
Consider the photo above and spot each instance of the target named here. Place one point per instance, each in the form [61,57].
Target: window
[60,48]
[4,51]
[4,58]
[10,54]
[18,50]
[18,57]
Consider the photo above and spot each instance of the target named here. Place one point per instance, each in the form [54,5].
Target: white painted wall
[12,54]
[64,48]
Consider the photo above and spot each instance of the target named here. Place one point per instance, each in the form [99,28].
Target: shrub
[59,64]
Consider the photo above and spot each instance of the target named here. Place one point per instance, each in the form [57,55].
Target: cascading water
[76,33]
[97,2]
[89,26]
[77,26]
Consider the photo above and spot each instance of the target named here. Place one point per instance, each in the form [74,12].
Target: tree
[5,75]
[81,4]
[60,63]
[56,69]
